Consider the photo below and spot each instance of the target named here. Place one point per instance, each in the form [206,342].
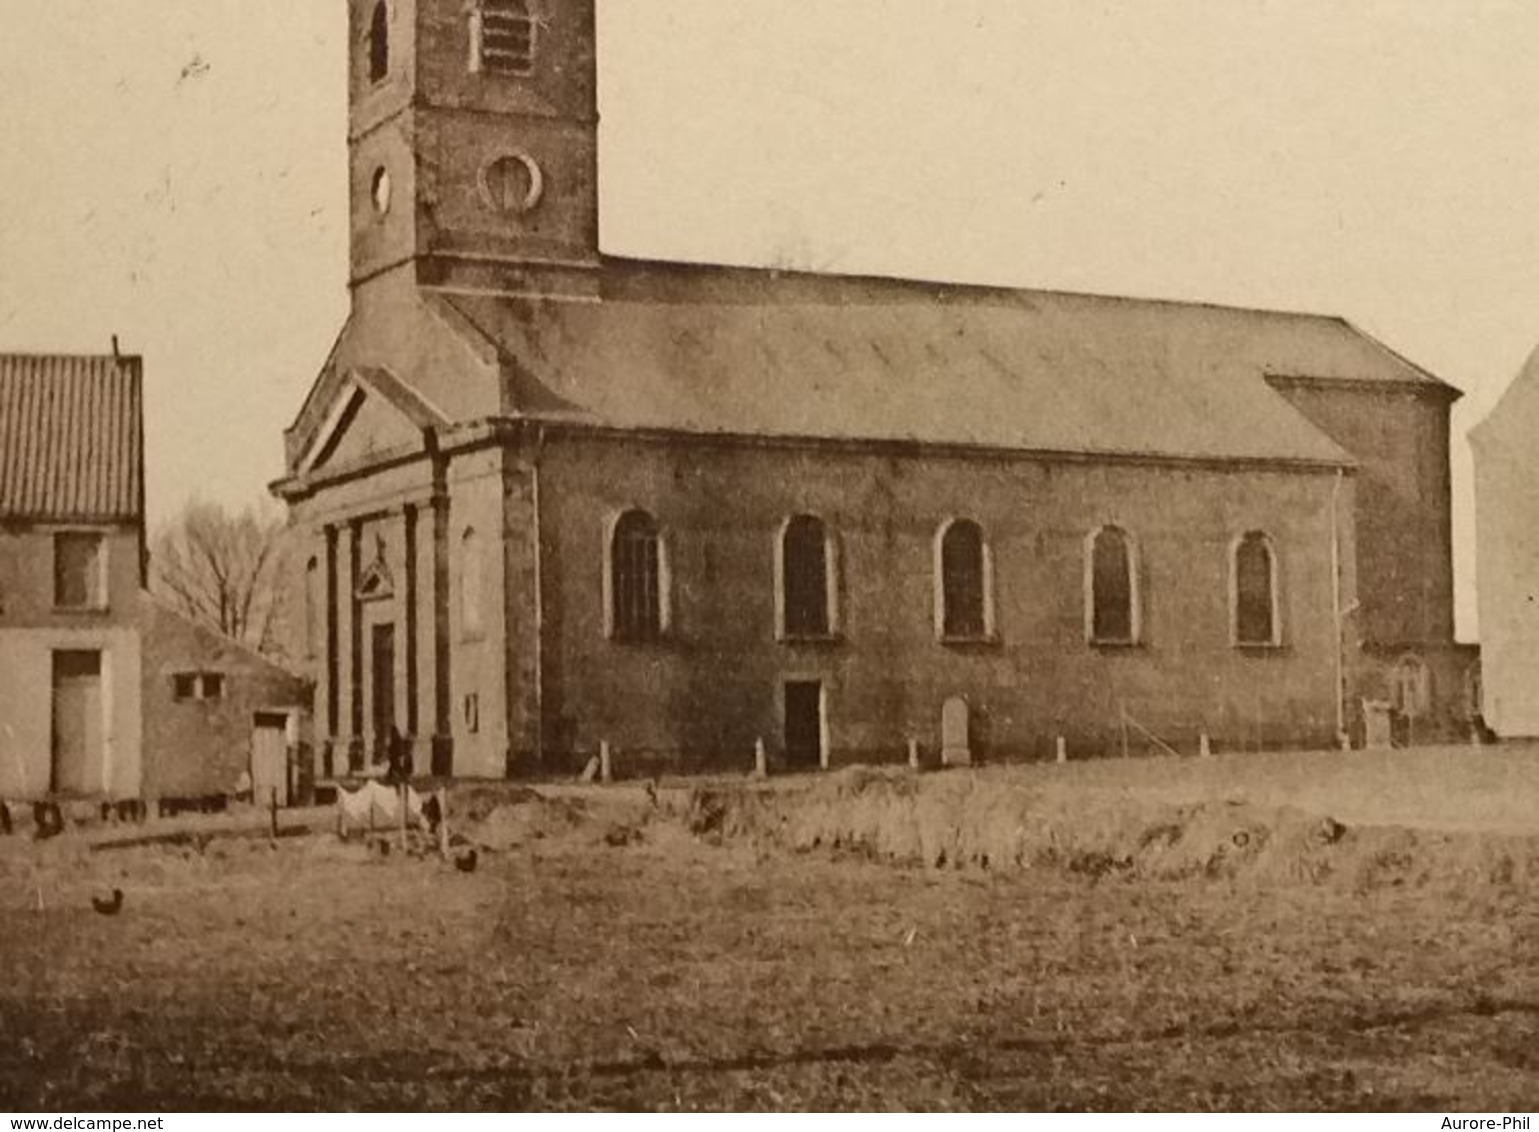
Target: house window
[965,583]
[806,579]
[470,584]
[1113,586]
[637,579]
[379,42]
[79,570]
[188,687]
[1254,573]
[503,37]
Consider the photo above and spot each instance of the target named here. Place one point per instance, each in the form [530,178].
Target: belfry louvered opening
[507,36]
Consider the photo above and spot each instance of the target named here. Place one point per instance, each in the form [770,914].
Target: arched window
[1113,588]
[1253,570]
[471,566]
[965,605]
[806,579]
[637,579]
[312,607]
[503,34]
[379,42]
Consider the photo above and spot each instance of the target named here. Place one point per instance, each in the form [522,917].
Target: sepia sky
[175,173]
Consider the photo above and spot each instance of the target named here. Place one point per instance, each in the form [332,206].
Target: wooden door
[804,724]
[270,759]
[78,732]
[382,687]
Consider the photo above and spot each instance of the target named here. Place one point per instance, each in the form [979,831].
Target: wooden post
[1122,710]
[1260,745]
[273,810]
[1205,746]
[341,817]
[443,822]
[760,760]
[913,754]
[403,792]
[1063,749]
[606,763]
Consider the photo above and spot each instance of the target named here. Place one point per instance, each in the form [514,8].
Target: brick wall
[1399,435]
[200,747]
[714,687]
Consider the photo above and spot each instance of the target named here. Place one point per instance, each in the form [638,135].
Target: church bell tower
[473,143]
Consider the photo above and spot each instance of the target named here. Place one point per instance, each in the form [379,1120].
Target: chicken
[47,820]
[110,905]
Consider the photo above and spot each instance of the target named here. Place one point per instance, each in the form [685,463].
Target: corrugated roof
[727,353]
[71,446]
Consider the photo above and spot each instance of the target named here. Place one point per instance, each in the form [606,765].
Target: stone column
[328,701]
[443,726]
[409,560]
[356,747]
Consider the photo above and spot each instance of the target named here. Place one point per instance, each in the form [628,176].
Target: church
[553,501]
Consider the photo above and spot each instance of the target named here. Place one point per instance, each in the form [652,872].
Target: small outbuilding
[220,719]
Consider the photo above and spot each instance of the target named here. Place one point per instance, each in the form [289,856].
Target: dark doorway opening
[382,687]
[804,724]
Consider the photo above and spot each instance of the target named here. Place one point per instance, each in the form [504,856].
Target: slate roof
[71,438]
[750,353]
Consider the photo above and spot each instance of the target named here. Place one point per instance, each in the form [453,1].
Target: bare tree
[224,570]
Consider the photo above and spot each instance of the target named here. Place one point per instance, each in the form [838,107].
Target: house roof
[1510,422]
[71,438]
[187,643]
[725,351]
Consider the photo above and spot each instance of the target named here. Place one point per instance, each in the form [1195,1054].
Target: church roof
[760,354]
[71,444]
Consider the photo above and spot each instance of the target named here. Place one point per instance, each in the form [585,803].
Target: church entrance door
[382,688]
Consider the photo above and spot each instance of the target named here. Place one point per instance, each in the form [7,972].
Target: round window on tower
[512,184]
[379,192]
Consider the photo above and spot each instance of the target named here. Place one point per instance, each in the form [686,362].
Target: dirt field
[1120,936]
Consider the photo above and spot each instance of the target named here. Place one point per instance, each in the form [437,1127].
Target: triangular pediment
[370,416]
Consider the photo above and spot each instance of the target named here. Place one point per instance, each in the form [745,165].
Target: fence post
[1205,746]
[273,809]
[606,763]
[913,754]
[443,822]
[760,760]
[1063,749]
